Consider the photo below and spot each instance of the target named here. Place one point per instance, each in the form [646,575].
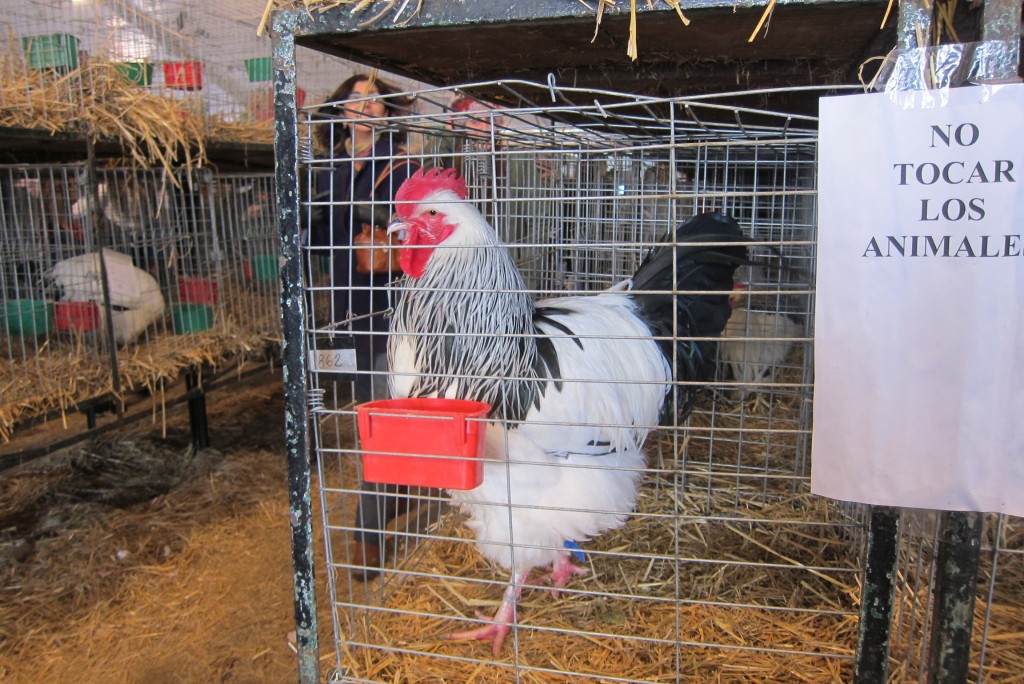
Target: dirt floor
[136,559]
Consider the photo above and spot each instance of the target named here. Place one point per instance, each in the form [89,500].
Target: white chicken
[134,294]
[576,383]
[754,343]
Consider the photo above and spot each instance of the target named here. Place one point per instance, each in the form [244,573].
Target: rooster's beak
[399,227]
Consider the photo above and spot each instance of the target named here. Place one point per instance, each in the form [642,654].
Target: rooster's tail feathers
[706,259]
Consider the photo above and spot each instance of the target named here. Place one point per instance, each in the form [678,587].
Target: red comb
[423,183]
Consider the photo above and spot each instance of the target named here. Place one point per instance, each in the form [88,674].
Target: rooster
[575,383]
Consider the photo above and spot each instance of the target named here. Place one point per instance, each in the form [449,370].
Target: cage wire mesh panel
[150,43]
[997,618]
[57,59]
[205,56]
[727,569]
[182,289]
[250,265]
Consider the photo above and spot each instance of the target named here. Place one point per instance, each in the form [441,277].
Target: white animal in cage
[134,294]
[575,383]
[754,343]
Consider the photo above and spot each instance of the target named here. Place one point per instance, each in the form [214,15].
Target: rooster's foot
[500,625]
[495,632]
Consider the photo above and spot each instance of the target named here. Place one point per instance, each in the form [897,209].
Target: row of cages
[120,277]
[61,61]
[728,568]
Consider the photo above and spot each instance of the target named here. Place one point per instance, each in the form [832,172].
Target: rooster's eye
[432,212]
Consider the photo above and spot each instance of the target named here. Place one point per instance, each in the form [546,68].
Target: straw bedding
[65,371]
[96,100]
[639,600]
[767,588]
[138,559]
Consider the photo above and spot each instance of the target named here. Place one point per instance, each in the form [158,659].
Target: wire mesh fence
[188,277]
[64,65]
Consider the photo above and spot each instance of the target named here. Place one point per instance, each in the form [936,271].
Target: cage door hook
[551,86]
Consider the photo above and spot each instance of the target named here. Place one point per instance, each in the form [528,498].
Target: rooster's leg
[563,570]
[501,623]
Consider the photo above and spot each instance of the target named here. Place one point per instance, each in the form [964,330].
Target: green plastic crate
[53,51]
[267,267]
[26,317]
[260,69]
[191,318]
[137,73]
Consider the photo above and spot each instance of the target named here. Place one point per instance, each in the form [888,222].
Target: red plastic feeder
[194,290]
[183,75]
[431,431]
[76,316]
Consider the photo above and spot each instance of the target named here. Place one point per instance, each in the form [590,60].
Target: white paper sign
[332,360]
[919,319]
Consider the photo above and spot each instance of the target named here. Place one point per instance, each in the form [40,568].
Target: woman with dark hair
[334,137]
[366,169]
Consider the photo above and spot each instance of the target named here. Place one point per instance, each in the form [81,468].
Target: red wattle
[413,258]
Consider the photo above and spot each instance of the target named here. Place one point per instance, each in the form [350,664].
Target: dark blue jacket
[353,295]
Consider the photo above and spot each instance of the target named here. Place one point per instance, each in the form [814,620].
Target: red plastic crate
[76,316]
[442,440]
[194,290]
[183,75]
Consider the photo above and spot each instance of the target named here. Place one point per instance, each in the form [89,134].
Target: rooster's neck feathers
[472,299]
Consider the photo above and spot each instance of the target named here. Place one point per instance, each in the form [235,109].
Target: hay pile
[97,101]
[192,585]
[245,130]
[51,379]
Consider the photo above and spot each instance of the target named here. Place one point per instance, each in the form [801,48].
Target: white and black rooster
[576,383]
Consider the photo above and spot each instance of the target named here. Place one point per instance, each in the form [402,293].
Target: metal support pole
[914,29]
[956,582]
[99,235]
[1001,22]
[293,348]
[872,662]
[197,409]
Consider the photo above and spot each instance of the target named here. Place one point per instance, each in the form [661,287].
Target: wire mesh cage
[150,46]
[724,567]
[249,263]
[121,279]
[67,65]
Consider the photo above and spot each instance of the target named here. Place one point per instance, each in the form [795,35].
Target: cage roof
[801,43]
